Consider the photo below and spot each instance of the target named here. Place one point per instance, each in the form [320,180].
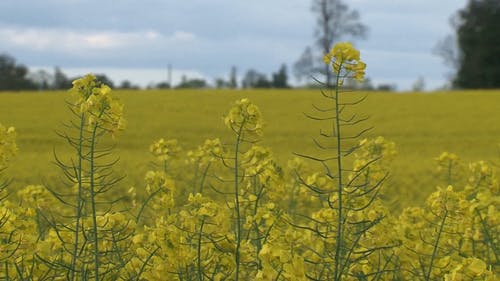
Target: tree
[302,68]
[42,79]
[334,20]
[478,33]
[192,83]
[386,87]
[105,80]
[13,76]
[263,82]
[233,80]
[254,79]
[280,78]
[221,83]
[418,85]
[61,81]
[365,85]
[162,85]
[127,85]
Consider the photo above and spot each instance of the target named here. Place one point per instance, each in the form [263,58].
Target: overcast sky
[137,40]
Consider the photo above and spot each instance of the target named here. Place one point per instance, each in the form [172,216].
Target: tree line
[15,77]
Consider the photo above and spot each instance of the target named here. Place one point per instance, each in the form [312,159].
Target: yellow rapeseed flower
[8,147]
[345,61]
[245,119]
[95,102]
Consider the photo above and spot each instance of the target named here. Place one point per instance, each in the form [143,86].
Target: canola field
[250,185]
[422,125]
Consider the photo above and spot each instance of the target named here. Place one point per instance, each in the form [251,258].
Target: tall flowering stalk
[98,114]
[245,120]
[344,218]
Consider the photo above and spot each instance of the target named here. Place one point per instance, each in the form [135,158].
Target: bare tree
[303,67]
[334,20]
[447,47]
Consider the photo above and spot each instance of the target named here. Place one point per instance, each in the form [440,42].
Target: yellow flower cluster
[8,147]
[258,161]
[245,119]
[459,229]
[165,150]
[345,61]
[210,151]
[377,151]
[95,103]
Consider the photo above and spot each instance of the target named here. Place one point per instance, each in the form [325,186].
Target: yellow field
[421,125]
[227,208]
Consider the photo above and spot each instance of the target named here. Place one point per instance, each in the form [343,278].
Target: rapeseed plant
[349,208]
[98,113]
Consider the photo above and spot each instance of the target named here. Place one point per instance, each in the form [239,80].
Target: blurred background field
[421,125]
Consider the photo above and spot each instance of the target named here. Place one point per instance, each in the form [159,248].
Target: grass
[422,125]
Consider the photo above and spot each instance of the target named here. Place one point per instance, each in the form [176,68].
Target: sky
[138,40]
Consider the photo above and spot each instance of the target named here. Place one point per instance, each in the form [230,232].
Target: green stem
[146,202]
[200,272]
[92,200]
[258,242]
[237,200]
[436,246]
[7,271]
[339,239]
[489,240]
[204,176]
[78,199]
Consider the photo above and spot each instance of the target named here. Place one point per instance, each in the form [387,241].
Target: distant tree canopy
[105,80]
[280,78]
[127,85]
[14,76]
[61,81]
[231,83]
[163,85]
[18,77]
[255,79]
[473,51]
[478,39]
[192,83]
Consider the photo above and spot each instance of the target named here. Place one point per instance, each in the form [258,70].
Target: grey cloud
[260,34]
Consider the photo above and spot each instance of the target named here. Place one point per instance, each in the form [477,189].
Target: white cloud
[182,36]
[73,41]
